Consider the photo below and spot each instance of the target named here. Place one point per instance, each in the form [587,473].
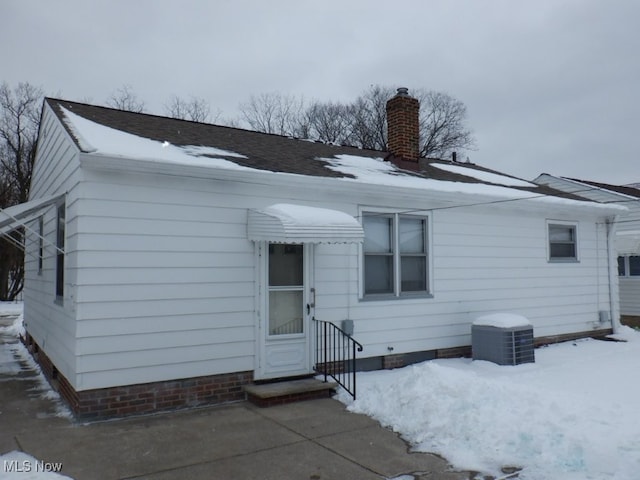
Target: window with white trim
[60,240]
[395,254]
[563,243]
[629,265]
[40,244]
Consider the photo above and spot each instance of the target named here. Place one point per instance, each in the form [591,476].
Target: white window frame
[576,241]
[397,290]
[627,267]
[40,244]
[60,260]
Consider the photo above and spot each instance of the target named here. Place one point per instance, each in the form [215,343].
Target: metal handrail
[335,355]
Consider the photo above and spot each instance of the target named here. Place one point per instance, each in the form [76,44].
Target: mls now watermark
[25,466]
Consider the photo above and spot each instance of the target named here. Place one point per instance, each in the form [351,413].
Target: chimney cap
[402,92]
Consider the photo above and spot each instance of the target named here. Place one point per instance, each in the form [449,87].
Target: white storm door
[285,349]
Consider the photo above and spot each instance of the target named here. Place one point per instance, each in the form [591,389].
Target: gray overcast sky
[550,85]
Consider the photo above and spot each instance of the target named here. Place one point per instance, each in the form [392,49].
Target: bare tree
[363,123]
[369,118]
[275,113]
[124,98]
[443,125]
[443,118]
[19,121]
[328,122]
[195,109]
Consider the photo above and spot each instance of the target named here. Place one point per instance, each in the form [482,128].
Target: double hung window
[395,255]
[562,242]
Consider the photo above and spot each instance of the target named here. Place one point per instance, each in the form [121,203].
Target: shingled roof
[277,153]
[623,189]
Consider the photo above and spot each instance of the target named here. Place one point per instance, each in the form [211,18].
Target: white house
[169,262]
[627,238]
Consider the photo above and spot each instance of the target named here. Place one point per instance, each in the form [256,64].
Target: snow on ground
[571,415]
[10,308]
[14,358]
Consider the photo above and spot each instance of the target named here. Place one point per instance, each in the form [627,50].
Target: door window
[286,289]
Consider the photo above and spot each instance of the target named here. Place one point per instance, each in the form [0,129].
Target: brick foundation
[142,398]
[540,341]
[393,361]
[389,362]
[454,352]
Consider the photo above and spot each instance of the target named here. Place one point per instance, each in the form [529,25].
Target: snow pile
[571,415]
[16,329]
[10,308]
[502,320]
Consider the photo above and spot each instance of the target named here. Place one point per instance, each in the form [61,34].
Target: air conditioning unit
[504,343]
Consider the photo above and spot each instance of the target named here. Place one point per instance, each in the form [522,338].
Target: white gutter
[612,257]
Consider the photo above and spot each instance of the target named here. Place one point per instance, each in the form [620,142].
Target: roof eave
[437,198]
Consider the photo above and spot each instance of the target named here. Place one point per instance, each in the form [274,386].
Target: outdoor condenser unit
[503,345]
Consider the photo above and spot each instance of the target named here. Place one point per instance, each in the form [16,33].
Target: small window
[395,254]
[621,266]
[634,265]
[40,244]
[562,242]
[60,237]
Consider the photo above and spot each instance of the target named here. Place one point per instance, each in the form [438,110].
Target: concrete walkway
[312,440]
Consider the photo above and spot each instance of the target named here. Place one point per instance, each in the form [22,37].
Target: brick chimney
[403,127]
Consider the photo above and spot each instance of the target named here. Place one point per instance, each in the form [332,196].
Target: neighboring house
[627,238]
[169,262]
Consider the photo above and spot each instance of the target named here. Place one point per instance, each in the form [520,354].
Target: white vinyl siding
[160,276]
[629,287]
[629,280]
[52,323]
[168,277]
[491,262]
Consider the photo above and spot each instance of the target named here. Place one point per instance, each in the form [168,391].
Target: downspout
[612,257]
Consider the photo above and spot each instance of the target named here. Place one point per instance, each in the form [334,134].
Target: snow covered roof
[628,242]
[118,133]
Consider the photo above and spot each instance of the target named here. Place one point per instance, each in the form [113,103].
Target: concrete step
[281,392]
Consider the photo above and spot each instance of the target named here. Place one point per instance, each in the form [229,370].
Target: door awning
[628,243]
[18,215]
[288,223]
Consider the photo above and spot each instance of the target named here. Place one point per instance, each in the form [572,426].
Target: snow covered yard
[572,415]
